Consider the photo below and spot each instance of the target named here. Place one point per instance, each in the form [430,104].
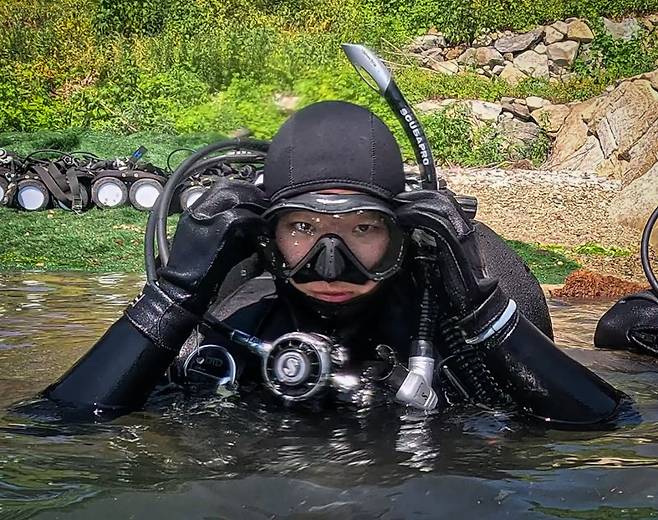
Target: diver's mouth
[332,296]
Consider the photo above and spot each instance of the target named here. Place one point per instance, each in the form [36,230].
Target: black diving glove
[218,232]
[439,223]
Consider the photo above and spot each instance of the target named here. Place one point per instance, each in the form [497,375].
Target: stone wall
[547,52]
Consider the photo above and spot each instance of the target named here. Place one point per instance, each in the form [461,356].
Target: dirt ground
[568,209]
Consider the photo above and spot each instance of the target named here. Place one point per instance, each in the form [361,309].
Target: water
[212,459]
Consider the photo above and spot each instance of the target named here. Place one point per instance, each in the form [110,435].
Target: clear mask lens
[371,237]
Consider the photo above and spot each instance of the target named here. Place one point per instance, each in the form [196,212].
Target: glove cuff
[160,318]
[491,317]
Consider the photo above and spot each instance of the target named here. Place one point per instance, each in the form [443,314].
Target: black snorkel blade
[372,70]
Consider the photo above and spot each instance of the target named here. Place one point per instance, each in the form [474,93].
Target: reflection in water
[218,458]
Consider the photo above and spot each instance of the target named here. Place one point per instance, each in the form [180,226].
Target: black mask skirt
[333,237]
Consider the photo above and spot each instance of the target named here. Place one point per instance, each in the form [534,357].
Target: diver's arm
[631,323]
[122,368]
[500,344]
[544,381]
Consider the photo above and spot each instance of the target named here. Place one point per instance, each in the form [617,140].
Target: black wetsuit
[632,324]
[122,369]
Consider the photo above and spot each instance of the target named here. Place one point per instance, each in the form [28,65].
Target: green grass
[548,264]
[113,240]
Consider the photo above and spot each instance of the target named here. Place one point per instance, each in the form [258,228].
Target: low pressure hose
[413,384]
[644,251]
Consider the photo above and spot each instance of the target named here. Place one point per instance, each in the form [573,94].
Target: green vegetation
[112,240]
[548,264]
[175,67]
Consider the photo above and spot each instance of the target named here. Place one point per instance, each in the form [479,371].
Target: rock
[512,75]
[488,56]
[426,41]
[552,35]
[561,27]
[627,29]
[540,48]
[551,117]
[518,42]
[624,124]
[481,71]
[445,67]
[534,102]
[429,105]
[508,56]
[453,53]
[484,110]
[563,53]
[518,110]
[497,69]
[652,77]
[532,64]
[286,103]
[587,158]
[633,205]
[518,133]
[467,57]
[579,31]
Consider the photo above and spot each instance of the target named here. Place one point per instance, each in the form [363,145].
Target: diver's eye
[364,229]
[303,227]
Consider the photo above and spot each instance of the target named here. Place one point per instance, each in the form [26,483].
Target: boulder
[426,41]
[484,110]
[453,53]
[508,56]
[552,35]
[467,57]
[497,69]
[563,53]
[624,124]
[518,133]
[519,42]
[635,203]
[512,75]
[518,110]
[652,77]
[579,31]
[533,64]
[445,67]
[534,102]
[488,56]
[560,26]
[551,117]
[540,48]
[627,29]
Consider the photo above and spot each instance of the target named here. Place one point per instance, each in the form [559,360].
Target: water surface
[215,459]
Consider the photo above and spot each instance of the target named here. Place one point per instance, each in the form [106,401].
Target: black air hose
[644,251]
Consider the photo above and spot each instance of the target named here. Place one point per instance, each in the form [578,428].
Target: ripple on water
[219,458]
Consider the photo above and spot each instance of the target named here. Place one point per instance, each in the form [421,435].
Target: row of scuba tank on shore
[77,181]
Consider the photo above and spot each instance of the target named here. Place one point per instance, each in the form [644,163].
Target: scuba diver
[373,290]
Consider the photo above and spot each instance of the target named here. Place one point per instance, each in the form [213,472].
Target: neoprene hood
[333,144]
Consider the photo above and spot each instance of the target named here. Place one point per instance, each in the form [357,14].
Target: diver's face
[364,232]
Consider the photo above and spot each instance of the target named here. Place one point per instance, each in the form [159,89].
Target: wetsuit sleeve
[116,376]
[545,382]
[632,323]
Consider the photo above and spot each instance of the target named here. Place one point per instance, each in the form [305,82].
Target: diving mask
[333,237]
